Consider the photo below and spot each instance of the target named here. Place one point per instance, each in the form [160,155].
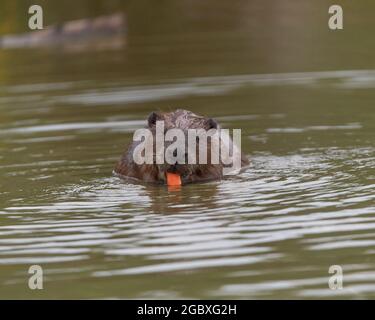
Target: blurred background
[190,38]
[301,93]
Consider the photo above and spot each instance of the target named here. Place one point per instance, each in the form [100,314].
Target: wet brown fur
[155,173]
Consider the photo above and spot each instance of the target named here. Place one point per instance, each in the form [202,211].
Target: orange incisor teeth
[173,179]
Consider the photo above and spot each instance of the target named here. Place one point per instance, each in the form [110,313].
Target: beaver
[189,173]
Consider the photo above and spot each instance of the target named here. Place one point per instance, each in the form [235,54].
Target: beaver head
[180,163]
[178,160]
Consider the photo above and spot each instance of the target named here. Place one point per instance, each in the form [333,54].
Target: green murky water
[304,98]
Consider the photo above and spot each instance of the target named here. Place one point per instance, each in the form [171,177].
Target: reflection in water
[181,88]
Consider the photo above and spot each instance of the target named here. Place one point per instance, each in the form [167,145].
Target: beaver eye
[211,124]
[152,118]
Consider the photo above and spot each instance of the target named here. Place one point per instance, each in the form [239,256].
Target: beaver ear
[152,118]
[211,124]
